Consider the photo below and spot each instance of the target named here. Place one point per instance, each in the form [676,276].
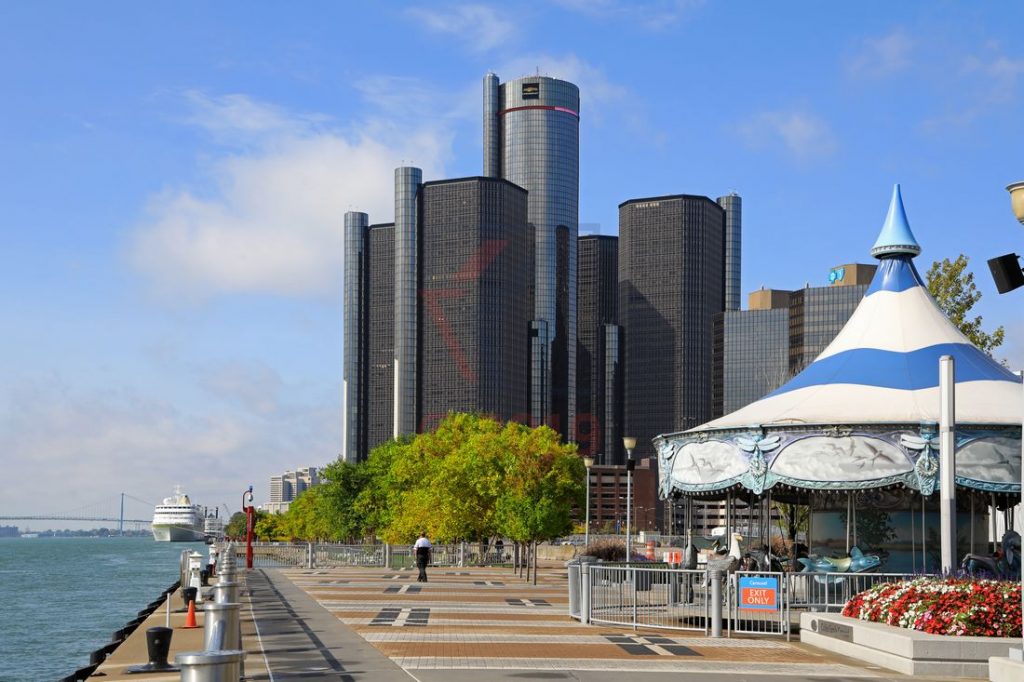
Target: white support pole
[947,462]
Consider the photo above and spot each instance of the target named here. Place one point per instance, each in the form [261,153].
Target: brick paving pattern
[488,618]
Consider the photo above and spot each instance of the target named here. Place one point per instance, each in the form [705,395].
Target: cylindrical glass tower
[538,119]
[352,402]
[733,205]
[408,181]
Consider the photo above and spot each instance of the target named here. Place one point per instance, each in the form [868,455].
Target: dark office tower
[817,314]
[597,405]
[751,354]
[353,405]
[733,205]
[408,181]
[380,335]
[474,316]
[671,284]
[531,138]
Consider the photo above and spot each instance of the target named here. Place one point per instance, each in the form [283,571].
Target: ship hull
[177,534]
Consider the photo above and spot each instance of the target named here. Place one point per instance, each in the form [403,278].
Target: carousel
[851,442]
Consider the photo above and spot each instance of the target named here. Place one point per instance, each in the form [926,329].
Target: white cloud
[271,219]
[884,56]
[87,446]
[651,14]
[482,28]
[253,386]
[801,135]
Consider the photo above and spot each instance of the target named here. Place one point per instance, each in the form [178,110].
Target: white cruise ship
[177,519]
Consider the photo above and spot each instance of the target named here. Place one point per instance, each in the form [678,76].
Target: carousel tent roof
[883,367]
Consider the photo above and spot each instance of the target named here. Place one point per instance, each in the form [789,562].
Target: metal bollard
[716,602]
[225,592]
[584,593]
[210,666]
[309,555]
[221,627]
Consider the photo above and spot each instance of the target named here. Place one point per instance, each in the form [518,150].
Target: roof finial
[896,237]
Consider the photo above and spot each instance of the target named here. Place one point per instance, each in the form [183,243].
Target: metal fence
[642,597]
[331,555]
[755,602]
[831,591]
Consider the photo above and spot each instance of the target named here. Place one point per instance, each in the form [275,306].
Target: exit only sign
[759,594]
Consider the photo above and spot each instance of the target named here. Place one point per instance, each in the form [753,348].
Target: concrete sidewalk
[488,624]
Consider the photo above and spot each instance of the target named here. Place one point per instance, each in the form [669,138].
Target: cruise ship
[177,519]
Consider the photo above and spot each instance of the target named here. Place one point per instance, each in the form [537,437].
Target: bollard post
[221,627]
[462,553]
[715,577]
[387,555]
[585,593]
[225,592]
[210,666]
[158,645]
[309,555]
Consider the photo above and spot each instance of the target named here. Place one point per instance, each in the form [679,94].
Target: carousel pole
[947,462]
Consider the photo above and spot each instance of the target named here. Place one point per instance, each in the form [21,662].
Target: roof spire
[896,237]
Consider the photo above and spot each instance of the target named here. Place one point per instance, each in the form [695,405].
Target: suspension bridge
[97,512]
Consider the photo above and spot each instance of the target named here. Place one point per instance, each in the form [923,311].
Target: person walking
[422,547]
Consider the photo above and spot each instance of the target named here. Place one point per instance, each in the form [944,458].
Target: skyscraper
[379,364]
[438,303]
[531,138]
[473,296]
[598,381]
[671,284]
[733,205]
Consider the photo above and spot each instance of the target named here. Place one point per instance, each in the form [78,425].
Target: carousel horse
[1006,566]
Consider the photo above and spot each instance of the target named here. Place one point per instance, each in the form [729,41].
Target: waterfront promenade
[467,624]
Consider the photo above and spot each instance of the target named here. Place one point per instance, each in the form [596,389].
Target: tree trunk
[534,552]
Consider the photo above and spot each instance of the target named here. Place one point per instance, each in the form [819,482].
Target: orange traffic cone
[190,618]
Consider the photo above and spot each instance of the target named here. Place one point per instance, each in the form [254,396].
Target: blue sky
[174,177]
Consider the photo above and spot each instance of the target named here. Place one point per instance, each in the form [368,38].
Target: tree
[235,527]
[541,483]
[952,287]
[327,511]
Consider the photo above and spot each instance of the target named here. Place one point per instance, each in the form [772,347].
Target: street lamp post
[1008,276]
[629,442]
[587,462]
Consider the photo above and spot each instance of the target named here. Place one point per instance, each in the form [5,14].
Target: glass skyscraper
[437,309]
[671,285]
[598,385]
[531,138]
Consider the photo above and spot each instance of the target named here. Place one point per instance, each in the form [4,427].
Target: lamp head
[1016,191]
[588,462]
[629,442]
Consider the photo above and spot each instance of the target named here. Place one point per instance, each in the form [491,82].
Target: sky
[173,178]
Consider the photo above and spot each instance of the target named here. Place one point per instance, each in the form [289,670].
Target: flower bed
[943,606]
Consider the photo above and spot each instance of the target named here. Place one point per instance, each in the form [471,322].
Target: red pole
[250,522]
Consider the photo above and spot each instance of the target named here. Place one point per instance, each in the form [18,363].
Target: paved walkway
[487,624]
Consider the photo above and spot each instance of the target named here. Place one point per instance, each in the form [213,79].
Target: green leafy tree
[235,527]
[327,511]
[269,527]
[542,482]
[952,286]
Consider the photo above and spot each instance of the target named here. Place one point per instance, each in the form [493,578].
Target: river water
[62,598]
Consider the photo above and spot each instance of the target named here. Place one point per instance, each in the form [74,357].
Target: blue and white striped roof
[883,367]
